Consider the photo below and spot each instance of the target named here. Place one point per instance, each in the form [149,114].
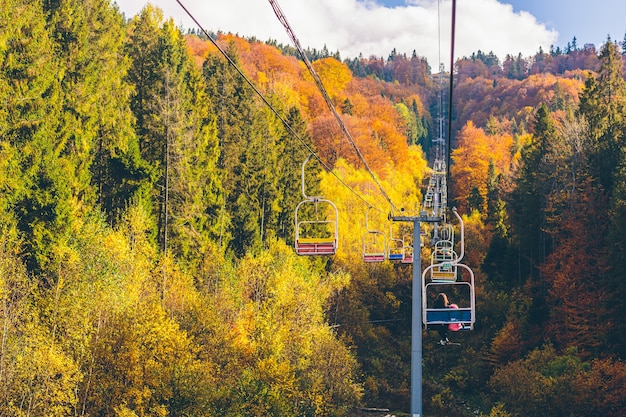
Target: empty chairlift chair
[316,224]
[395,251]
[407,251]
[374,243]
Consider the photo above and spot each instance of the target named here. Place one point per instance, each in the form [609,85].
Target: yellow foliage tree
[37,377]
[334,75]
[402,185]
[290,358]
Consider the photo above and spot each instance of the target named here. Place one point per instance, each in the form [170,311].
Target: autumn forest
[147,263]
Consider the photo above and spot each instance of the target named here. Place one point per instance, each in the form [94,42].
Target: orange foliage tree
[373,123]
[546,383]
[198,48]
[470,163]
[479,98]
[576,273]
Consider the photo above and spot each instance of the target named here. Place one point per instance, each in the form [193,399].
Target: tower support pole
[416,311]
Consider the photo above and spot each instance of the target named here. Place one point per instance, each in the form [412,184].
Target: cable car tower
[445,267]
[445,273]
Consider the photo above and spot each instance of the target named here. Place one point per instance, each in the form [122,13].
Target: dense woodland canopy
[148,193]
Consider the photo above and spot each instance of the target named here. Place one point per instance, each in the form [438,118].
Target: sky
[376,27]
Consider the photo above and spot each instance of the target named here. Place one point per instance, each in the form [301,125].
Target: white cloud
[365,27]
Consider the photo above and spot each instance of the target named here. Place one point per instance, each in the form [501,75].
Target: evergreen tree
[82,116]
[248,154]
[528,200]
[119,172]
[493,195]
[96,123]
[499,262]
[416,131]
[178,136]
[146,74]
[37,188]
[475,201]
[603,105]
[291,155]
[255,209]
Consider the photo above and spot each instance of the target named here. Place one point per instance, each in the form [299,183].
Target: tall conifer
[603,104]
[35,188]
[177,135]
[248,151]
[528,200]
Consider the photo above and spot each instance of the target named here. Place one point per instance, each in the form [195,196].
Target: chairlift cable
[446,264]
[449,138]
[283,19]
[271,107]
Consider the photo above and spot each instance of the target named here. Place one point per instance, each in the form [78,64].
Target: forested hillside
[147,216]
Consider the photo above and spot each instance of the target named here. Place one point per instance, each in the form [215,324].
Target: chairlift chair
[395,247]
[407,251]
[317,234]
[374,243]
[441,276]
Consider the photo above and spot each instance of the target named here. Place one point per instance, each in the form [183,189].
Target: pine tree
[528,200]
[96,123]
[36,187]
[119,173]
[291,155]
[81,117]
[177,135]
[248,158]
[603,105]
